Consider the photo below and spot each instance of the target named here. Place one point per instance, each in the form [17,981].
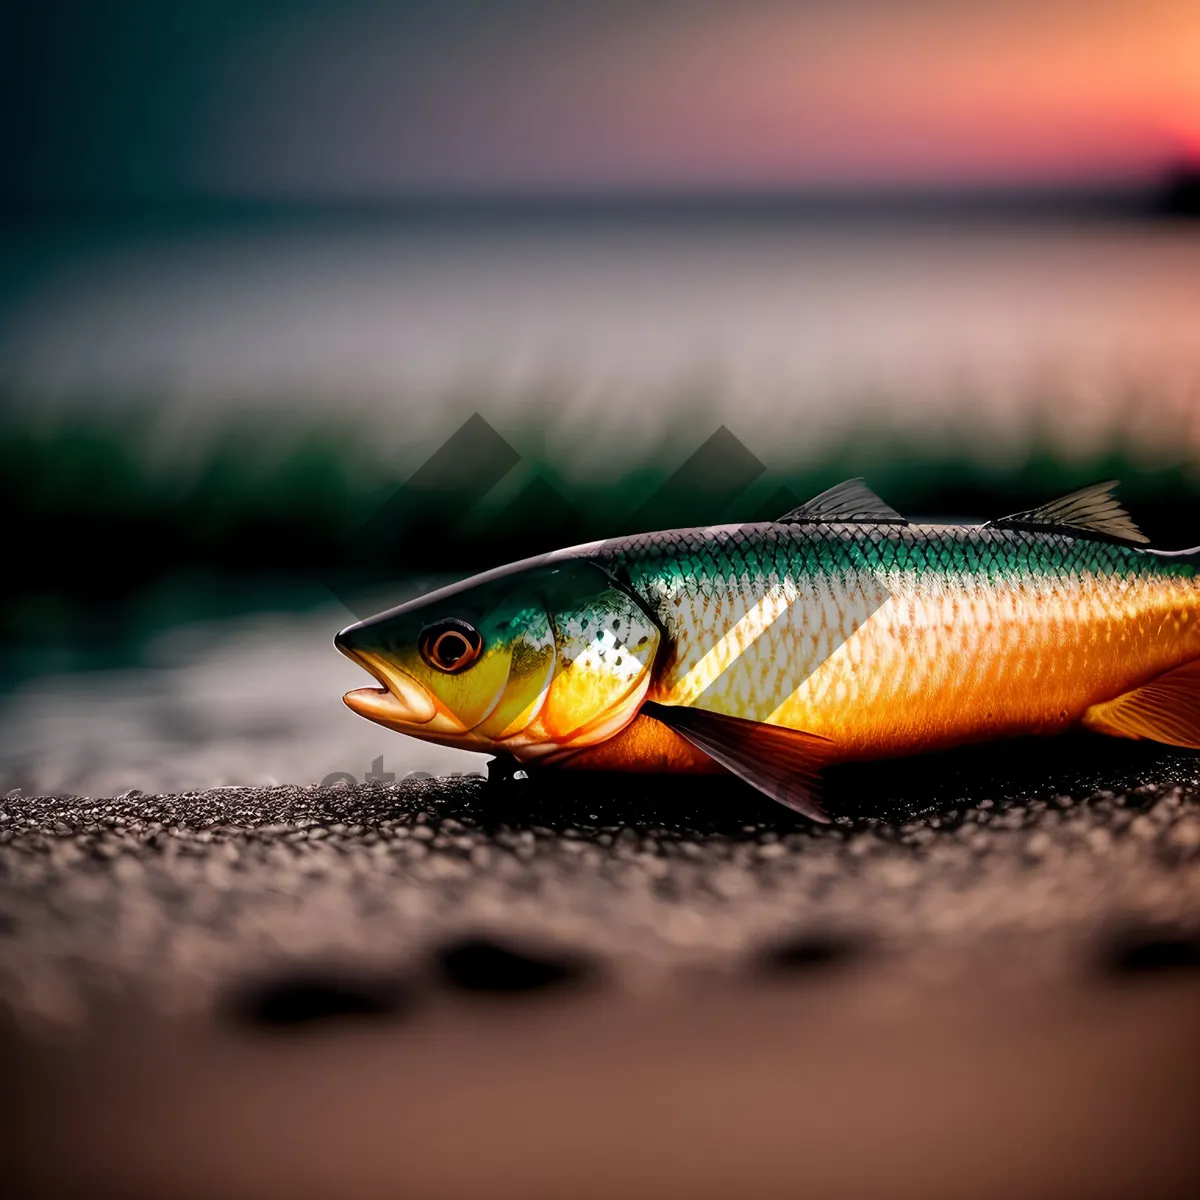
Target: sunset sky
[358,99]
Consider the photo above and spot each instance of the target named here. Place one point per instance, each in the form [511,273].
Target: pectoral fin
[781,763]
[1166,709]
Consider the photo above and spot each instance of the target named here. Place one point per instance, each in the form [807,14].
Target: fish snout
[401,700]
[349,640]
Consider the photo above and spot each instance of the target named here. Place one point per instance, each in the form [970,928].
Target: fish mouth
[400,701]
[386,707]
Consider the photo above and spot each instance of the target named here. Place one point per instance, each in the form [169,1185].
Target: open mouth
[399,701]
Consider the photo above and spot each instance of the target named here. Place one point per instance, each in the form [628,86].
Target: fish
[839,632]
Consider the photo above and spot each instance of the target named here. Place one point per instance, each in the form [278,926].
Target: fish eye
[450,645]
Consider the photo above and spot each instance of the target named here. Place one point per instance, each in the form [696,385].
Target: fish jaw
[384,706]
[401,703]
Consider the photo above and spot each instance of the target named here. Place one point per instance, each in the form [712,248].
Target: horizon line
[1172,192]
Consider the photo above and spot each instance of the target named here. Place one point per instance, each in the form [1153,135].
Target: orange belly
[644,745]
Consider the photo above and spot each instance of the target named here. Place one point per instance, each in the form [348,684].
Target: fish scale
[909,637]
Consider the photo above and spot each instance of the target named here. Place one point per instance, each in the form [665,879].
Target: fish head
[530,660]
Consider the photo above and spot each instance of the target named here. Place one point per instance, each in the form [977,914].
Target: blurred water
[785,330]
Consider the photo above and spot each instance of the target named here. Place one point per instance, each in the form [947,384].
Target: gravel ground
[172,901]
[1004,939]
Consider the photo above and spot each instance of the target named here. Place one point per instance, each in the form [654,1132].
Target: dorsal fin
[851,502]
[1090,510]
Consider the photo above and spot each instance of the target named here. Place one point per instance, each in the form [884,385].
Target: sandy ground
[983,978]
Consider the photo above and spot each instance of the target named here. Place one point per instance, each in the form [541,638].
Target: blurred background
[307,305]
